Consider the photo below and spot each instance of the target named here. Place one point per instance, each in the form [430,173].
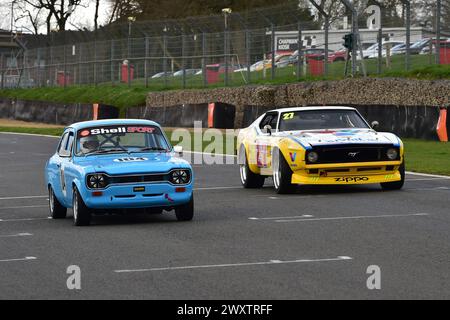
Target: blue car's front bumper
[126,197]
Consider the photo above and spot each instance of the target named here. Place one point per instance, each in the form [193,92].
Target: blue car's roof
[111,122]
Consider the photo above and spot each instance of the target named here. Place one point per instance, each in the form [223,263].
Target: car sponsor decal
[293,155]
[116,129]
[288,116]
[297,140]
[130,159]
[261,155]
[351,179]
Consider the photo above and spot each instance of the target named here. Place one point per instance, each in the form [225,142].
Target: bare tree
[97,5]
[60,10]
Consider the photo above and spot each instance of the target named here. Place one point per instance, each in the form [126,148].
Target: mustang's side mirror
[375,125]
[178,149]
[267,129]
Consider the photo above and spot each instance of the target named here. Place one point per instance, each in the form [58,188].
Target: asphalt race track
[242,244]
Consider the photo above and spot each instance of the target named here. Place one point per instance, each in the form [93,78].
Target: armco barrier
[406,122]
[221,115]
[53,113]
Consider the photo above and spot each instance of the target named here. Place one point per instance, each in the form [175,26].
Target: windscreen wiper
[151,149]
[103,151]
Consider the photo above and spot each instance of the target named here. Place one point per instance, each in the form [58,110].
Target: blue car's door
[58,165]
[65,154]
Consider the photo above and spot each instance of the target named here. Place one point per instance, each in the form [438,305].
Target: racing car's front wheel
[397,185]
[248,178]
[57,210]
[185,212]
[282,173]
[81,213]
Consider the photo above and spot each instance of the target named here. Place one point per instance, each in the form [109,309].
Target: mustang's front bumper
[127,197]
[348,173]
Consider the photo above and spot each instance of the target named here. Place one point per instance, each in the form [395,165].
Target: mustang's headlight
[97,181]
[312,157]
[392,153]
[180,176]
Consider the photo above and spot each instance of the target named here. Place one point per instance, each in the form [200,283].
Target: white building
[287,40]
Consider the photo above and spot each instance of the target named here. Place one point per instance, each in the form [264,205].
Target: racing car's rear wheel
[81,213]
[185,212]
[57,210]
[282,173]
[397,185]
[248,178]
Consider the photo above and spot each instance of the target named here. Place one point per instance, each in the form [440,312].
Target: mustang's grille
[352,153]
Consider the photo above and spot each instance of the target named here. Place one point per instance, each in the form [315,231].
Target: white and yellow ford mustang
[318,146]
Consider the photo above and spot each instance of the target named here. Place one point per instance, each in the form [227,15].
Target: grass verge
[122,95]
[421,156]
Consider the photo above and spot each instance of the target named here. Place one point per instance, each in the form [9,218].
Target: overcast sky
[82,17]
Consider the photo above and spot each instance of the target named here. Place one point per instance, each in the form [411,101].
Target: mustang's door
[263,143]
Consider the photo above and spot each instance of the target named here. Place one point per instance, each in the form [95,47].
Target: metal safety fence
[238,55]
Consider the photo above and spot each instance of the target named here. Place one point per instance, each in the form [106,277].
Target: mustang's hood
[115,164]
[343,136]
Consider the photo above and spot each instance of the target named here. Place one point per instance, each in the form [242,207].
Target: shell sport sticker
[130,159]
[84,133]
[116,130]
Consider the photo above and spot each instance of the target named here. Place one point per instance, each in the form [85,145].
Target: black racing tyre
[57,210]
[397,185]
[248,178]
[185,212]
[81,213]
[282,173]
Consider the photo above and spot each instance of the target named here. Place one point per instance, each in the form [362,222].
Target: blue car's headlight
[180,176]
[97,181]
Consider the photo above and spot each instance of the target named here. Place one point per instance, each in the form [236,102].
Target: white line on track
[23,234]
[276,218]
[23,197]
[427,175]
[19,259]
[23,207]
[340,258]
[354,217]
[216,188]
[24,219]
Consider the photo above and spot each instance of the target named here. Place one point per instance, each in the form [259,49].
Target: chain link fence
[238,54]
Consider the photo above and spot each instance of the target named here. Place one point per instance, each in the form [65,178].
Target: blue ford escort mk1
[101,166]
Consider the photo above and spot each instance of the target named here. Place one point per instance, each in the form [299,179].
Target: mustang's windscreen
[111,139]
[321,119]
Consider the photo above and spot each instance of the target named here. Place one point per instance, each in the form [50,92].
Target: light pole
[130,22]
[226,12]
[12,18]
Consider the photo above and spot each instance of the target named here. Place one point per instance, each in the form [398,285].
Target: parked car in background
[372,51]
[189,72]
[161,74]
[398,49]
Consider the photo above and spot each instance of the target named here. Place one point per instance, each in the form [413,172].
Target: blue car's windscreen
[125,138]
[320,119]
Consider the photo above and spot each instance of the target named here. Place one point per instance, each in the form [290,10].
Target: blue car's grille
[138,179]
